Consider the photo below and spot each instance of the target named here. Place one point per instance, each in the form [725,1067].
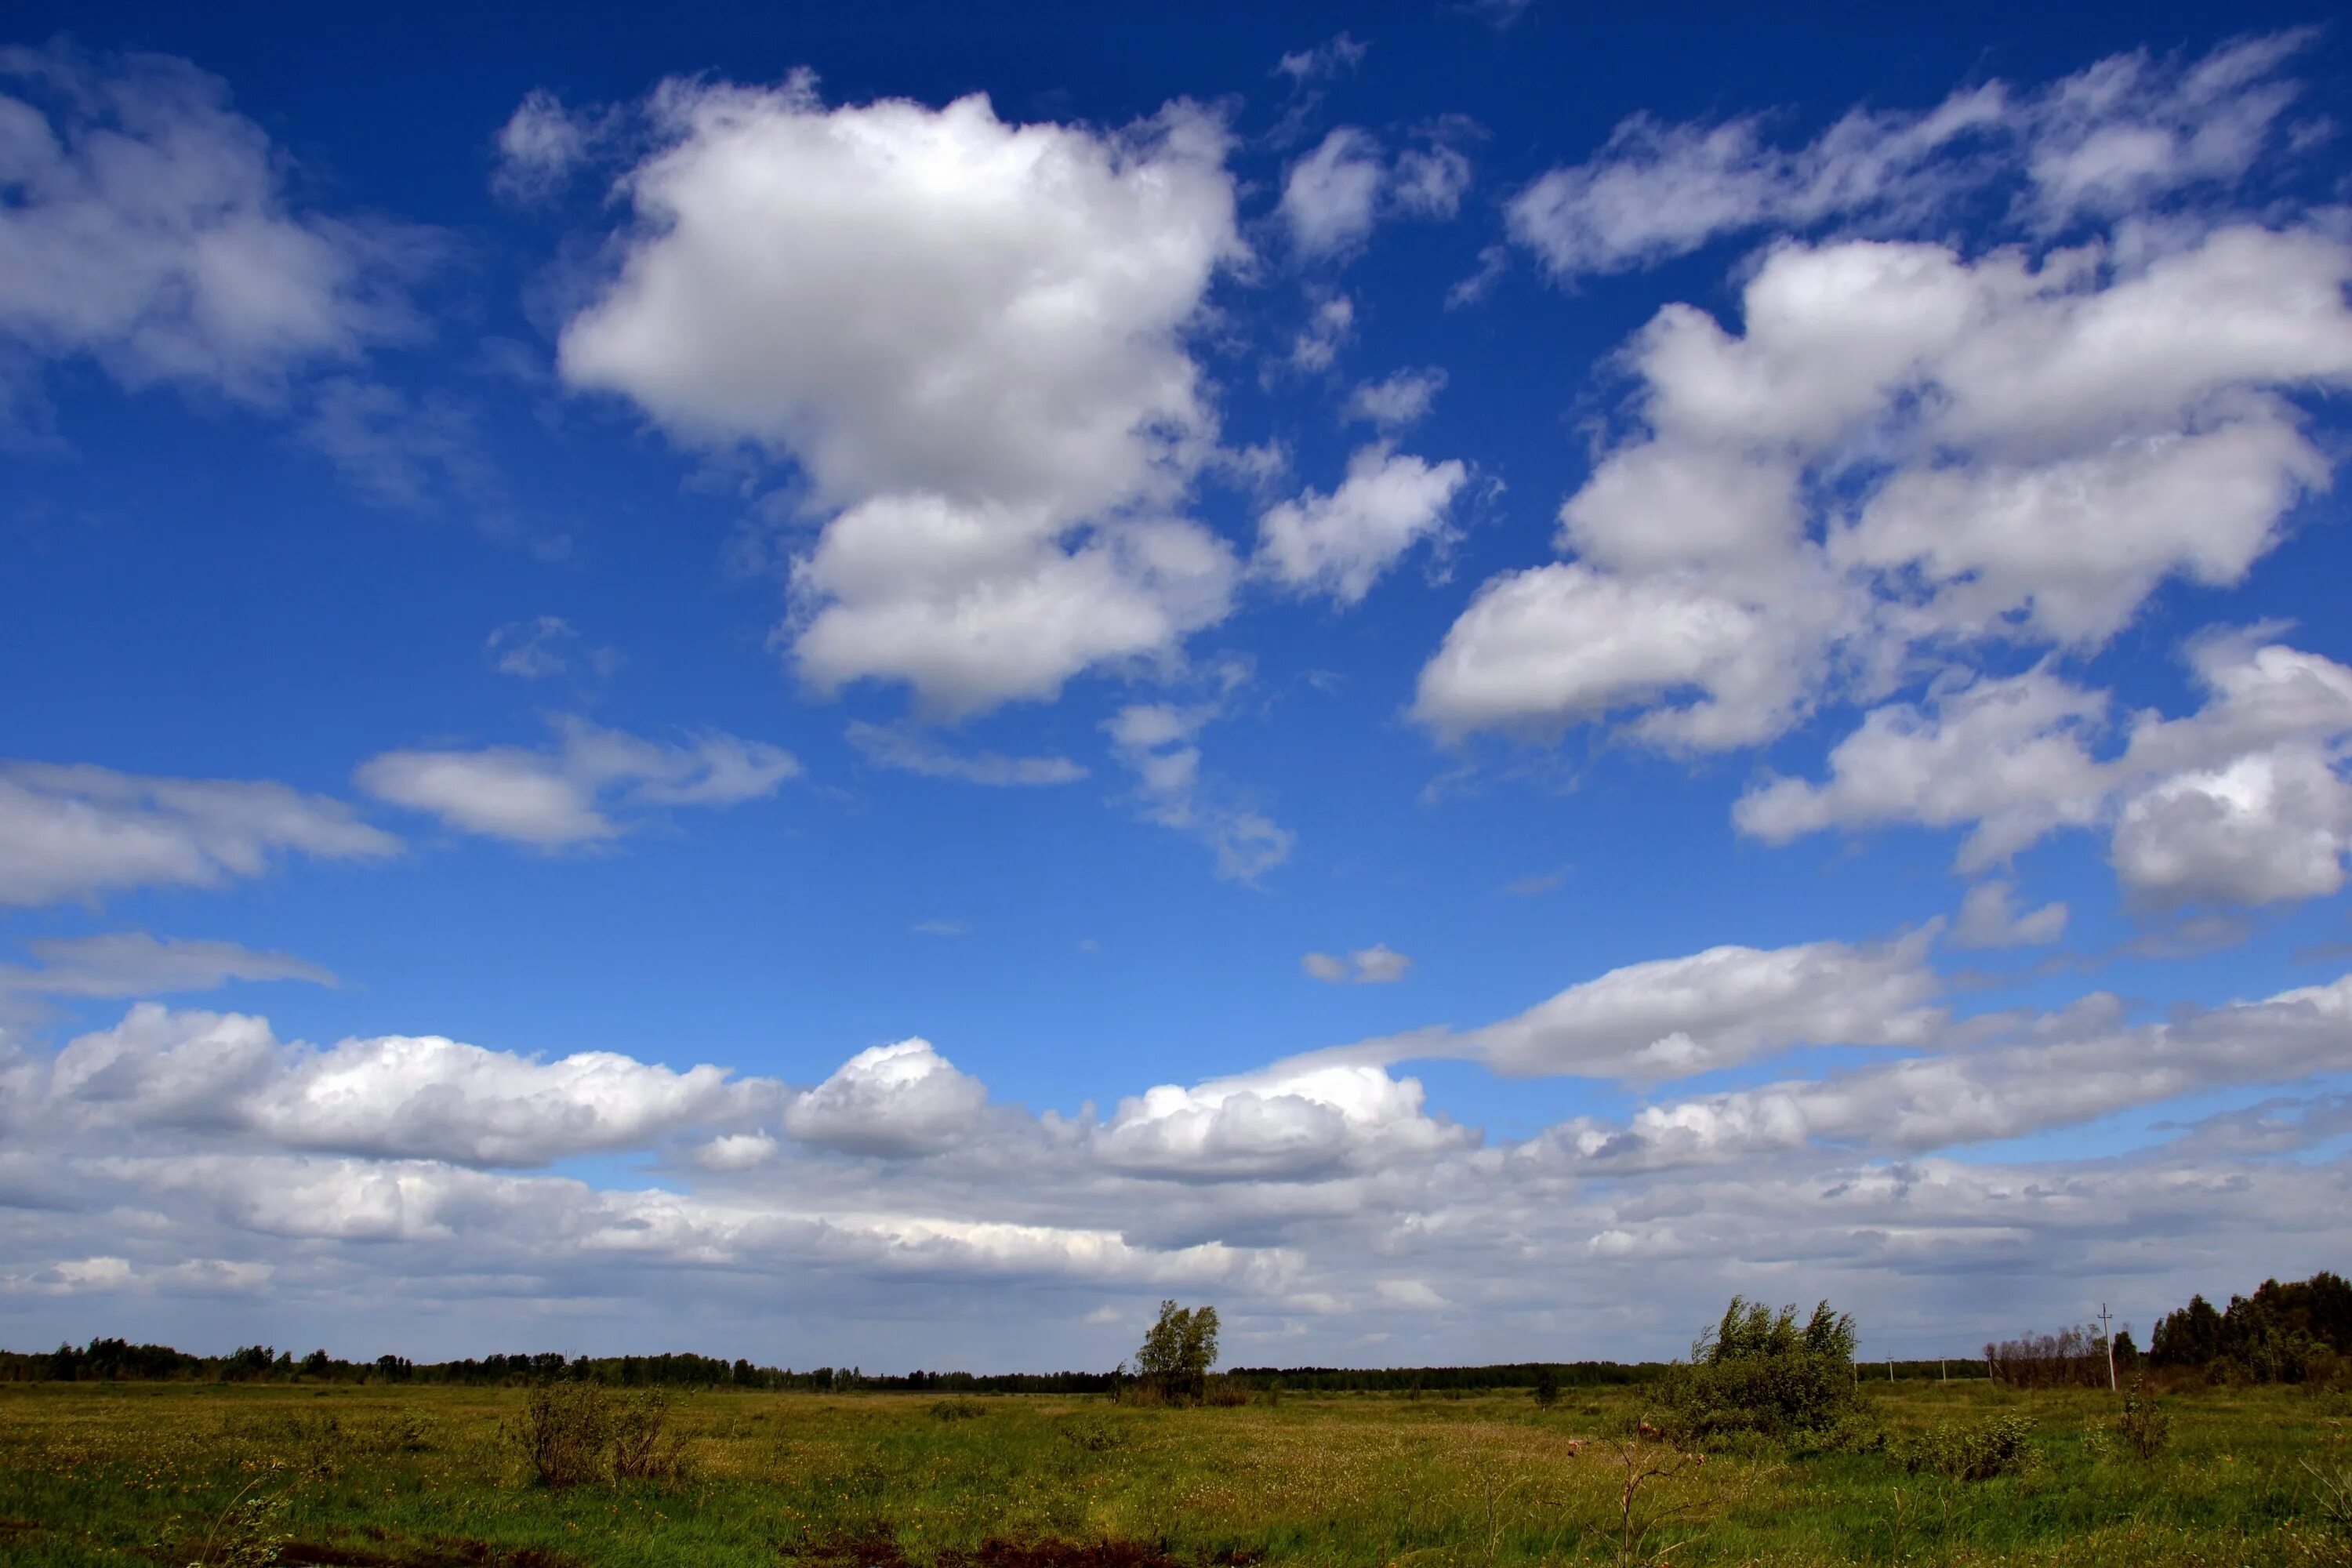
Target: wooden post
[2110,1341]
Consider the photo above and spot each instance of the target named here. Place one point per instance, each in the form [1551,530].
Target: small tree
[1762,1371]
[1547,1385]
[1178,1352]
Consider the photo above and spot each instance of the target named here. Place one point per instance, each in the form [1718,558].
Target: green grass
[146,1473]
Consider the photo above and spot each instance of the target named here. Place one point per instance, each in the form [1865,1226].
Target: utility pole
[1890,1369]
[2110,1342]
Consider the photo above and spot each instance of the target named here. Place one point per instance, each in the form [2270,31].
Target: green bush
[571,1434]
[1994,1447]
[2142,1427]
[1759,1372]
[963,1407]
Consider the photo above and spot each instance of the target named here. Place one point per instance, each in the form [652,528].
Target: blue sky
[872,686]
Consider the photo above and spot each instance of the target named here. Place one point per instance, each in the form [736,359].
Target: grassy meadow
[182,1473]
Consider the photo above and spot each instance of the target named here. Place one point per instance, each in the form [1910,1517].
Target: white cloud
[1334,57]
[560,795]
[75,831]
[1378,965]
[2108,139]
[968,335]
[133,964]
[1989,917]
[1341,543]
[1680,1016]
[2020,454]
[1156,740]
[1404,398]
[1329,325]
[2242,801]
[147,227]
[1333,197]
[1328,197]
[1287,1123]
[543,646]
[542,145]
[2049,1071]
[911,753]
[898,1100]
[2009,757]
[392,1097]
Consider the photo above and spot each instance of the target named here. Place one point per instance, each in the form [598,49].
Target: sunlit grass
[97,1473]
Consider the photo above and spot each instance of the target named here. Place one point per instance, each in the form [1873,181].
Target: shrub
[643,1446]
[963,1407]
[564,1432]
[575,1433]
[2142,1427]
[1994,1447]
[1758,1371]
[1548,1387]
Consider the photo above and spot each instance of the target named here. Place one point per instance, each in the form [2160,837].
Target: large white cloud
[1283,1123]
[1907,455]
[391,1096]
[146,225]
[70,832]
[968,334]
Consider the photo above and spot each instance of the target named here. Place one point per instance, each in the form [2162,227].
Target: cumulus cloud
[1989,917]
[1283,1122]
[910,751]
[969,336]
[147,227]
[1341,543]
[896,1101]
[2023,453]
[75,831]
[1328,325]
[1378,965]
[2107,139]
[1157,742]
[1334,195]
[562,795]
[1677,1017]
[392,1097]
[2243,799]
[1402,399]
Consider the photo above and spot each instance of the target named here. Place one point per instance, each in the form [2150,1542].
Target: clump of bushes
[963,1407]
[1995,1446]
[571,1434]
[1760,1372]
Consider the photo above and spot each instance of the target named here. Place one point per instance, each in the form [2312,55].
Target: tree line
[2281,1333]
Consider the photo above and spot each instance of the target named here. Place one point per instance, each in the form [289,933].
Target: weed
[2144,1428]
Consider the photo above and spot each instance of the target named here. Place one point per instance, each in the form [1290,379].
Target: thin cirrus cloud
[909,751]
[809,280]
[567,794]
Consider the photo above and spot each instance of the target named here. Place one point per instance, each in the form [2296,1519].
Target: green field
[177,1473]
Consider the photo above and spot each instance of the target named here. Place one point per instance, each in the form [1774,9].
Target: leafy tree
[1178,1352]
[1762,1371]
[1548,1387]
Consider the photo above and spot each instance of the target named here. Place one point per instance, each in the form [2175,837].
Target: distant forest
[2281,1333]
